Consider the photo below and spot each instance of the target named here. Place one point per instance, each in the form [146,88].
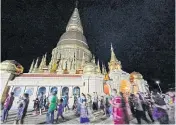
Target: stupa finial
[76,4]
[112,49]
[98,67]
[74,23]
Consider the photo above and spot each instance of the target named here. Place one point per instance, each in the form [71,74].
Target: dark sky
[141,31]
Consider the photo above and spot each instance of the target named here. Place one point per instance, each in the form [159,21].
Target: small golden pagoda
[114,63]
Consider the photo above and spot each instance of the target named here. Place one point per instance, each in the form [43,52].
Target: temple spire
[44,60]
[76,4]
[113,56]
[41,63]
[114,63]
[74,23]
[98,67]
[36,64]
[32,67]
[93,59]
[103,69]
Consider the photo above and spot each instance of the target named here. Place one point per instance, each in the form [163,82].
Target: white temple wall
[46,81]
[23,83]
[117,76]
[5,77]
[93,83]
[59,92]
[35,92]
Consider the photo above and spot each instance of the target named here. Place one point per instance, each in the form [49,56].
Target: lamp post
[158,82]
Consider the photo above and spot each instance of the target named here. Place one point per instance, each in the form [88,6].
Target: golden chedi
[114,63]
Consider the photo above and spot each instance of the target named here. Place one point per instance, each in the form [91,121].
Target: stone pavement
[71,118]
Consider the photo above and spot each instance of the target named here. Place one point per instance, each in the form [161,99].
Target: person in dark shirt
[36,105]
[41,102]
[132,107]
[123,105]
[22,108]
[60,109]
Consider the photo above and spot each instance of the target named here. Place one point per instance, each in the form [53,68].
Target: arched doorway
[65,91]
[125,86]
[76,91]
[54,89]
[17,91]
[42,89]
[106,88]
[30,91]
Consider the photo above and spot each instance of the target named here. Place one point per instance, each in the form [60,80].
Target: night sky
[141,31]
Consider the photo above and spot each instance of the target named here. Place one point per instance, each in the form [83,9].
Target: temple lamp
[158,82]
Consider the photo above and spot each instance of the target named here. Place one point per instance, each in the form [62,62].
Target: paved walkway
[72,119]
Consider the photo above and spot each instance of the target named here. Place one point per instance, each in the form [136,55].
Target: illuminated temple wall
[120,80]
[118,77]
[71,84]
[5,78]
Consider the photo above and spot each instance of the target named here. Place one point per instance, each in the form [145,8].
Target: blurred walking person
[131,102]
[117,110]
[89,106]
[107,106]
[44,102]
[41,102]
[78,105]
[22,108]
[102,104]
[7,106]
[140,114]
[95,102]
[36,106]
[84,113]
[60,109]
[52,107]
[124,107]
[160,109]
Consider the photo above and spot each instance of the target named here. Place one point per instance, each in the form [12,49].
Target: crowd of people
[115,106]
